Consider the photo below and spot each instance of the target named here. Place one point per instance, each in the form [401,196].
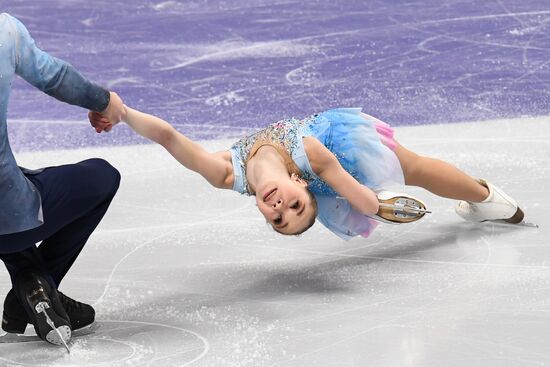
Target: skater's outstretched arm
[216,168]
[326,165]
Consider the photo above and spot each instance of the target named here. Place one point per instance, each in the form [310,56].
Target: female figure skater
[332,166]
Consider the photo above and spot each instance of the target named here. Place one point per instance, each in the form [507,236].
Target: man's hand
[99,123]
[112,115]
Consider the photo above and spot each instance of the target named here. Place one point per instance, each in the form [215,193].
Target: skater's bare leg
[439,177]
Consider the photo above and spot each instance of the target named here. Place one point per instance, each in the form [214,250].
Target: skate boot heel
[13,325]
[517,217]
[496,207]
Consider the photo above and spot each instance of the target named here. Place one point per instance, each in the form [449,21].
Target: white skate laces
[397,208]
[496,207]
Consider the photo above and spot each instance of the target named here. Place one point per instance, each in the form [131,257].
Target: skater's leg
[479,200]
[439,177]
[74,199]
[100,180]
[28,259]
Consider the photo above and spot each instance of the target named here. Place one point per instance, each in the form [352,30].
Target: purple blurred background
[218,69]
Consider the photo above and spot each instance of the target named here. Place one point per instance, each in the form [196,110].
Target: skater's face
[287,205]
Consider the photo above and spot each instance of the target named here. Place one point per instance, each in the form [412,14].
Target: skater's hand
[112,115]
[99,123]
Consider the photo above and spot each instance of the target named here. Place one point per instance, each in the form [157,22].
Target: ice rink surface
[182,274]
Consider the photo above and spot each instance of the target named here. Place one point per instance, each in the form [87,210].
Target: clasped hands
[112,115]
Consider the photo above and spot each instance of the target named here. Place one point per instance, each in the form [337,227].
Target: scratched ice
[183,274]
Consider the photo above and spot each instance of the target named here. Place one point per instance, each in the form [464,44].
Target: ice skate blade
[400,209]
[10,338]
[60,336]
[515,220]
[405,209]
[522,223]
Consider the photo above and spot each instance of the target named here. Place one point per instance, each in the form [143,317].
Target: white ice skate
[398,208]
[497,207]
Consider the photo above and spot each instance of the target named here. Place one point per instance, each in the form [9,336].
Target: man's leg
[60,250]
[74,199]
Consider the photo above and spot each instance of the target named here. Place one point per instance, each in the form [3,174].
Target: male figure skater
[57,206]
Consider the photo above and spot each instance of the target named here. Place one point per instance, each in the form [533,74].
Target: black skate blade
[10,338]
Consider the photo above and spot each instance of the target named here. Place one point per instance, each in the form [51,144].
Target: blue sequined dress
[363,145]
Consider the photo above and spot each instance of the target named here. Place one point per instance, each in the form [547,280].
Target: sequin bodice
[287,133]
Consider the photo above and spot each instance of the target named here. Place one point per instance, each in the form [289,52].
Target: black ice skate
[15,319]
[44,310]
